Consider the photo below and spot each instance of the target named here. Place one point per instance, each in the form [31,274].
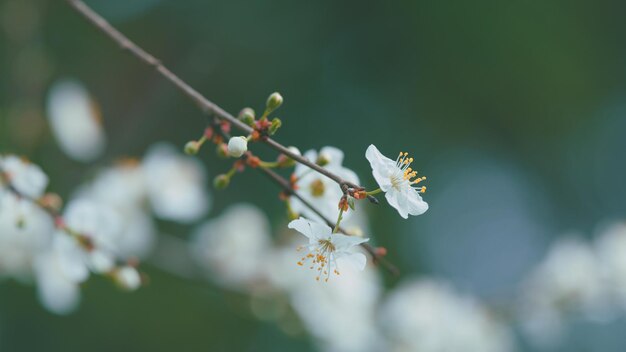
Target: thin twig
[289,190]
[203,103]
[209,107]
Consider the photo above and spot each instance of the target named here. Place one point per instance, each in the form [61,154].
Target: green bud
[192,148]
[276,123]
[274,101]
[247,116]
[222,150]
[221,181]
[322,160]
[351,203]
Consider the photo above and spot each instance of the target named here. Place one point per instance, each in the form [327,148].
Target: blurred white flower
[397,180]
[123,189]
[327,251]
[59,272]
[233,247]
[27,178]
[176,184]
[569,280]
[611,252]
[428,316]
[75,121]
[127,277]
[25,230]
[237,146]
[122,186]
[340,314]
[322,192]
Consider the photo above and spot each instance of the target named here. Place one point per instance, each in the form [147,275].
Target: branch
[202,102]
[209,107]
[287,187]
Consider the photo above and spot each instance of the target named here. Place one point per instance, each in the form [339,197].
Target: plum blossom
[232,247]
[327,251]
[27,178]
[59,272]
[25,230]
[397,180]
[176,184]
[75,121]
[322,192]
[340,319]
[569,280]
[429,316]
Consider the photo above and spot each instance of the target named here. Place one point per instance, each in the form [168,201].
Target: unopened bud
[127,278]
[276,123]
[322,159]
[192,148]
[221,181]
[285,161]
[237,146]
[274,101]
[222,150]
[247,116]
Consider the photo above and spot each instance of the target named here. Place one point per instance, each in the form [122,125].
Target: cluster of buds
[263,127]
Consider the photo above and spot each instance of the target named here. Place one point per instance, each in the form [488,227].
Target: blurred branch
[209,107]
[202,102]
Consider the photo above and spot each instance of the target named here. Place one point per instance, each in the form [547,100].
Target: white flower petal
[310,229]
[74,121]
[355,260]
[393,198]
[343,242]
[333,155]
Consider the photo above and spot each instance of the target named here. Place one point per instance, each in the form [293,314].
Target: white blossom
[397,180]
[611,252]
[233,246]
[25,230]
[237,146]
[75,121]
[27,178]
[59,272]
[127,277]
[341,314]
[319,190]
[428,316]
[569,280]
[327,251]
[176,184]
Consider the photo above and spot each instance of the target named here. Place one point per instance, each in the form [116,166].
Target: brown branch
[288,188]
[284,184]
[209,107]
[203,103]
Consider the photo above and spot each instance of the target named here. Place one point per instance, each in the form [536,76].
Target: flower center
[317,188]
[320,255]
[405,175]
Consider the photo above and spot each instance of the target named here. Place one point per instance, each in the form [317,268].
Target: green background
[515,110]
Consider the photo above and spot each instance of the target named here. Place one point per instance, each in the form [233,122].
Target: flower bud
[127,277]
[276,123]
[322,160]
[237,146]
[285,161]
[247,116]
[192,148]
[222,150]
[221,181]
[274,101]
